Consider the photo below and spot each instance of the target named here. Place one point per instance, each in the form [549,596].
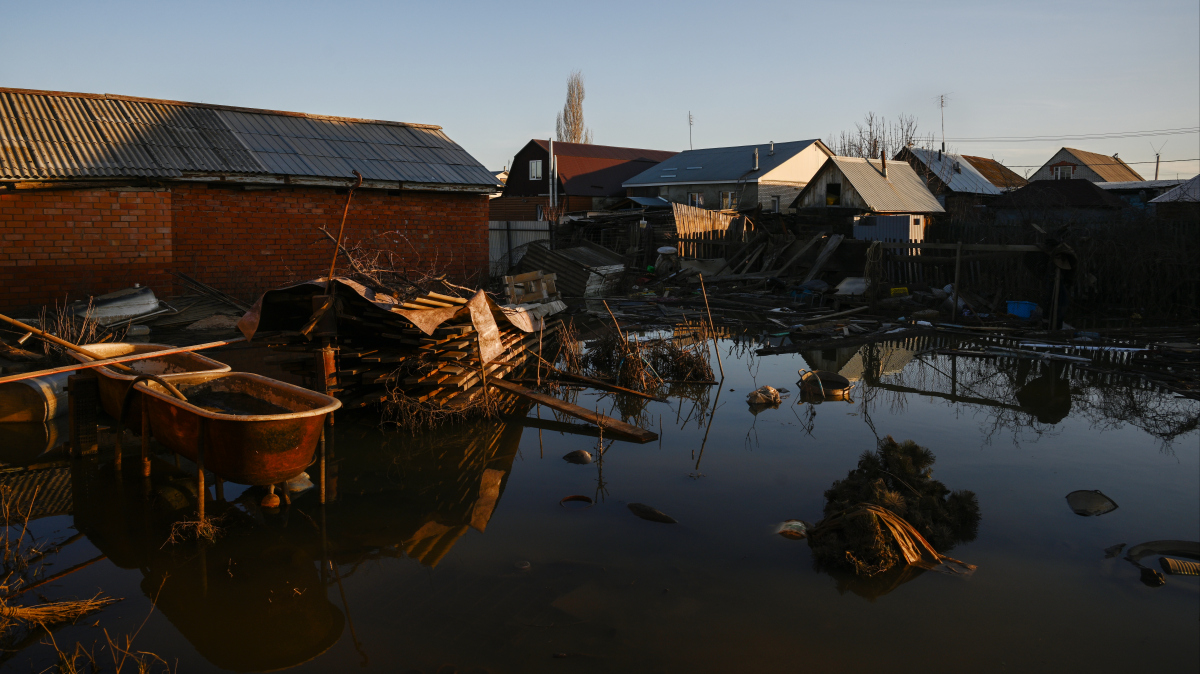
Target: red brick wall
[246,242]
[81,242]
[78,243]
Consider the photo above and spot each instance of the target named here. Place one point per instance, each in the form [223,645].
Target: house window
[1063,172]
[774,204]
[833,194]
[696,199]
[535,169]
[729,201]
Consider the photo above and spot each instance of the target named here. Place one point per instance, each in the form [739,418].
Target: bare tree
[876,134]
[570,126]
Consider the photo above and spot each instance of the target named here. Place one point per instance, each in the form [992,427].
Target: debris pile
[889,510]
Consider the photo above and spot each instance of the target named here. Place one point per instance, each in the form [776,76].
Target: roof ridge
[214,106]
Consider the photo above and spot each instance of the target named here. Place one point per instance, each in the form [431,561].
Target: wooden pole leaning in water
[957,270]
[712,328]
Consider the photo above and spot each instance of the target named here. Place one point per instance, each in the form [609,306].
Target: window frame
[535,164]
[696,199]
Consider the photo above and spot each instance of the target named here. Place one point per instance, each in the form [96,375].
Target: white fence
[506,238]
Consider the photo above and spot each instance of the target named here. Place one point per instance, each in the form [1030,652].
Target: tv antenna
[1157,156]
[942,99]
[691,121]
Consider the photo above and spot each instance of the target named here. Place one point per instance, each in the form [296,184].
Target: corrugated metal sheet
[54,135]
[997,174]
[719,164]
[955,171]
[1141,184]
[1111,169]
[41,493]
[902,191]
[1189,191]
[573,267]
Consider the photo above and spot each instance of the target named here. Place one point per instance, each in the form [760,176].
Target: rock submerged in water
[580,456]
[647,513]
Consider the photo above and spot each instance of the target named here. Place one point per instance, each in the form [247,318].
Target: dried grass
[922,515]
[646,365]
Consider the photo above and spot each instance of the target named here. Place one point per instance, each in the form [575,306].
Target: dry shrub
[896,478]
[207,529]
[646,365]
[411,414]
[61,323]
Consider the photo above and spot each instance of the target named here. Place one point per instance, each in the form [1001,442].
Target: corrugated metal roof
[55,135]
[955,171]
[902,191]
[1112,169]
[720,164]
[1189,191]
[42,492]
[997,174]
[1141,184]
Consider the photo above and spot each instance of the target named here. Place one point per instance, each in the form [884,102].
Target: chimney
[772,147]
[755,159]
[883,160]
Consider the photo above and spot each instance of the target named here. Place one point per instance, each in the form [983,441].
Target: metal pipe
[338,247]
[101,362]
[957,272]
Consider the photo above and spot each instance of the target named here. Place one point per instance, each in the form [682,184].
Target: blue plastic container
[1022,309]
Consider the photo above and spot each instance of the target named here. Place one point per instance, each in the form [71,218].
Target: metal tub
[114,383]
[250,448]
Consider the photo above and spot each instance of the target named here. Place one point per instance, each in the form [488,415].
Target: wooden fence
[700,232]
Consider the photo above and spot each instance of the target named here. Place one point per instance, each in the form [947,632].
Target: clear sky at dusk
[493,73]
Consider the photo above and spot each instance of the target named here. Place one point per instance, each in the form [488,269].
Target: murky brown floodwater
[451,552]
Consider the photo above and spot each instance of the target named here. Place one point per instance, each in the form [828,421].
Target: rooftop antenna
[942,108]
[1157,155]
[690,123]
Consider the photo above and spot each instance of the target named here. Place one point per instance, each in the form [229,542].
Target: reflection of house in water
[44,492]
[884,358]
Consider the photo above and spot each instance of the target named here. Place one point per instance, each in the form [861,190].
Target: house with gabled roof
[887,200]
[769,175]
[958,180]
[588,177]
[1069,163]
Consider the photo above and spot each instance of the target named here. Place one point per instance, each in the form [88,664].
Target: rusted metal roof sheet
[46,135]
[902,191]
[1112,169]
[997,174]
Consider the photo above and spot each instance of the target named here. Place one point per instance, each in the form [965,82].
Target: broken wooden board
[826,252]
[611,426]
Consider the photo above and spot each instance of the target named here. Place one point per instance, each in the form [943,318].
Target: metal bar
[957,270]
[120,359]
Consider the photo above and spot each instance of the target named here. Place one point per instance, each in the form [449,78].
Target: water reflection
[258,597]
[1018,395]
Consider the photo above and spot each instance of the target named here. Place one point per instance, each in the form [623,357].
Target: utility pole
[690,122]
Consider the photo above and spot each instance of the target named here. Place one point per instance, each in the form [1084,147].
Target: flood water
[450,552]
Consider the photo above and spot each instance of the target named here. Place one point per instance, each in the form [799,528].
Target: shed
[108,190]
[960,180]
[1058,203]
[584,270]
[1181,203]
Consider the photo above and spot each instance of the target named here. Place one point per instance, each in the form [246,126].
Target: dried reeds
[889,510]
[50,612]
[645,365]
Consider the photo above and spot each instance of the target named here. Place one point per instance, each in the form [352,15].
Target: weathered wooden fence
[700,232]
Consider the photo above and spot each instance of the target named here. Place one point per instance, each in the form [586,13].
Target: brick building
[98,192]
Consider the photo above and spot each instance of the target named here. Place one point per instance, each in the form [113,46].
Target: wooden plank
[611,426]
[967,247]
[830,246]
[793,259]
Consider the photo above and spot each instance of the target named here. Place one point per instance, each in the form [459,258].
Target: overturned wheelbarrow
[821,385]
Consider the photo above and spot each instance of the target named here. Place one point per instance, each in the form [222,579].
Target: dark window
[833,194]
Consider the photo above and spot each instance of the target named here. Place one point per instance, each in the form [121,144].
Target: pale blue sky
[493,73]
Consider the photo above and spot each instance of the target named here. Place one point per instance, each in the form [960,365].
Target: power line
[1124,163]
[1086,136]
